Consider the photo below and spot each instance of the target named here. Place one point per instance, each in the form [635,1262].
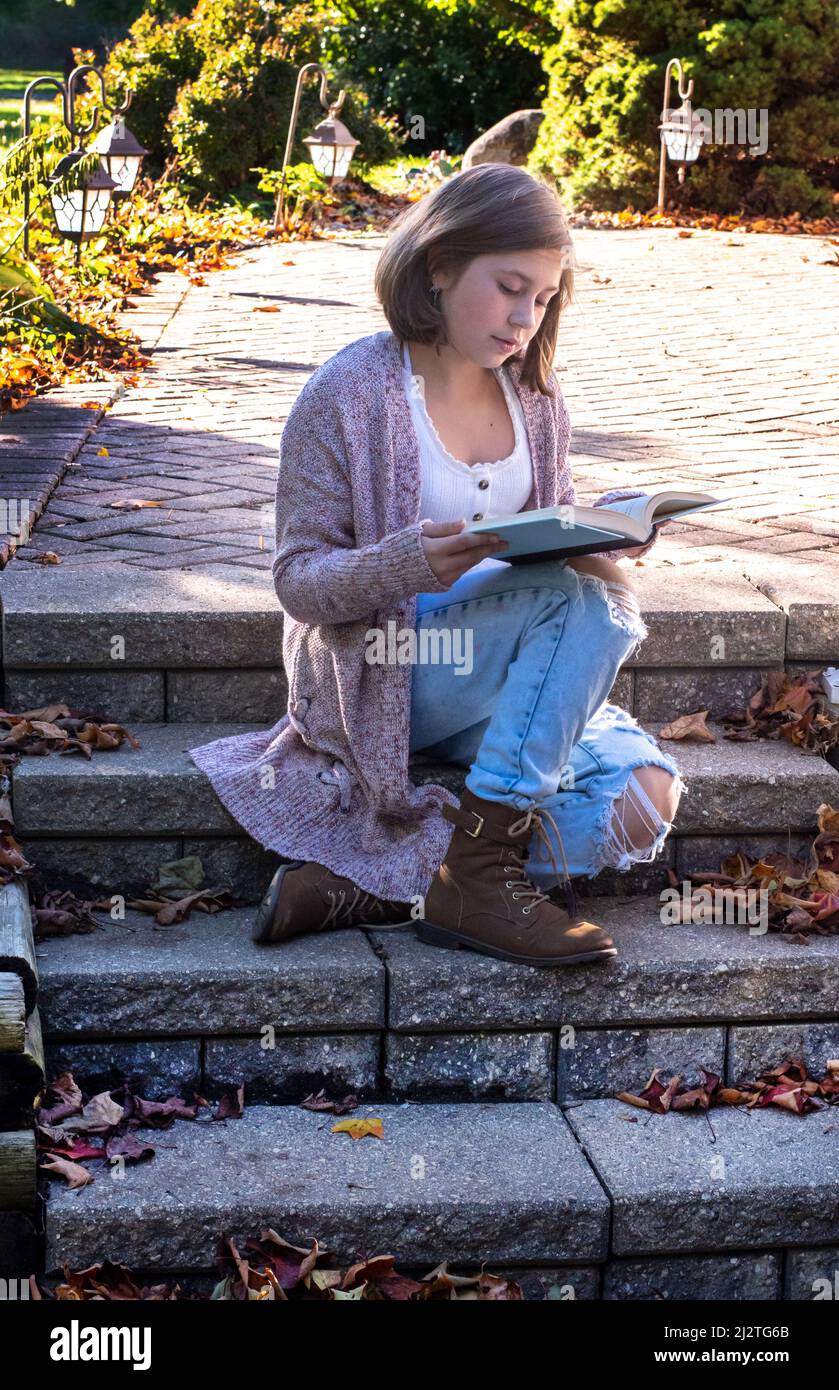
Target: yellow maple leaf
[357,1129]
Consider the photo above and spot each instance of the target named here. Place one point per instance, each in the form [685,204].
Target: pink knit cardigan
[329,781]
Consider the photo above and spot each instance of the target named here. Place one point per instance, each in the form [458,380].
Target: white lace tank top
[452,488]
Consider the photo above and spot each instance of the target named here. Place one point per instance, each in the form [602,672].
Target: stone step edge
[572,1178]
[389,970]
[478,1065]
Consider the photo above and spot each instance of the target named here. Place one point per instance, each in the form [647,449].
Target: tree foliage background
[215,80]
[606,77]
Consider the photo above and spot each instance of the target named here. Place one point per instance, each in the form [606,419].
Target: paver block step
[736,1178]
[157,789]
[739,616]
[71,620]
[206,978]
[496,1182]
[663,976]
[444,1181]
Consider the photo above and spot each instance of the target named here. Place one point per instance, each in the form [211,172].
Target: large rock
[509,141]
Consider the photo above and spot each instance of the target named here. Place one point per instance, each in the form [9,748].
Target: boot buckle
[475,833]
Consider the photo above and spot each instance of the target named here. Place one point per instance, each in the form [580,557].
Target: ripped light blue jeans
[529,656]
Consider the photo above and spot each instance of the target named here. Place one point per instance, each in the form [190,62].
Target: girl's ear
[440,272]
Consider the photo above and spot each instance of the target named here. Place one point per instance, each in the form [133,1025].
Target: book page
[635,507]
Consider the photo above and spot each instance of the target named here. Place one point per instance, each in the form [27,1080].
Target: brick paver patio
[705,359]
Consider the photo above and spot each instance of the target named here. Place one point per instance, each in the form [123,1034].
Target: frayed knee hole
[633,830]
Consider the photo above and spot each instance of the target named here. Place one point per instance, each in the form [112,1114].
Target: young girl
[452,414]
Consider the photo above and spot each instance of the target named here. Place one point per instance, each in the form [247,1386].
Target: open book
[559,532]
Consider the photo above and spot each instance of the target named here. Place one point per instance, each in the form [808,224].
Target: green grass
[13,84]
[14,81]
[393,176]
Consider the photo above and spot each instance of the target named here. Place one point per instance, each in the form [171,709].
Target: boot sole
[453,941]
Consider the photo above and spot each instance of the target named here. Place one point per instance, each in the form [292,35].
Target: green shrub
[216,89]
[155,60]
[459,64]
[606,78]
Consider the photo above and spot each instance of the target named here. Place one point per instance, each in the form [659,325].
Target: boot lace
[342,912]
[534,818]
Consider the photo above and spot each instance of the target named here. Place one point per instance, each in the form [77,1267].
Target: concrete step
[106,824]
[199,1005]
[442,1179]
[260,694]
[603,1203]
[197,647]
[726,1181]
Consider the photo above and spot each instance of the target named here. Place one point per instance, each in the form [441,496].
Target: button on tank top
[451,487]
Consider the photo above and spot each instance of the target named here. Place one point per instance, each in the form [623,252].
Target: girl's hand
[619,494]
[450,554]
[640,550]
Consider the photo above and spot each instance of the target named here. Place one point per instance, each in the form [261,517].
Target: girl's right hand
[450,554]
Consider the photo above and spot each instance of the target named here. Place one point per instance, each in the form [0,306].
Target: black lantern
[121,153]
[80,212]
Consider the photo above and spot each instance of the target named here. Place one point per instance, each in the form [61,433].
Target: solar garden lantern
[80,212]
[331,146]
[681,130]
[121,153]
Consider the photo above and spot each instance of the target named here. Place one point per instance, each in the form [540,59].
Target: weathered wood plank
[22,1077]
[18,1170]
[12,1013]
[17,944]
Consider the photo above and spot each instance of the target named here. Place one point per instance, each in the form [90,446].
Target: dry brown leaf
[689,726]
[100,1114]
[133,504]
[72,1173]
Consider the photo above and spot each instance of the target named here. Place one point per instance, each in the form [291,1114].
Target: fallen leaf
[689,726]
[72,1173]
[358,1128]
[133,504]
[101,1113]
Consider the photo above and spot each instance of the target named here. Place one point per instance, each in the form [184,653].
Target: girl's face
[497,305]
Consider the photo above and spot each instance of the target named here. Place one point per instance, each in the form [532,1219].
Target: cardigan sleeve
[319,575]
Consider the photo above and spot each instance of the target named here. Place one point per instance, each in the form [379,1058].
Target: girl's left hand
[621,494]
[640,550]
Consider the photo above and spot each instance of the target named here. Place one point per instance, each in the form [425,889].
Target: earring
[435,295]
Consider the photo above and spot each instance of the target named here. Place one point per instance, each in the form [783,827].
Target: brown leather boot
[481,897]
[307,897]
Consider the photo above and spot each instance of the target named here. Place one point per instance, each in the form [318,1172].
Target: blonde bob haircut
[484,210]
